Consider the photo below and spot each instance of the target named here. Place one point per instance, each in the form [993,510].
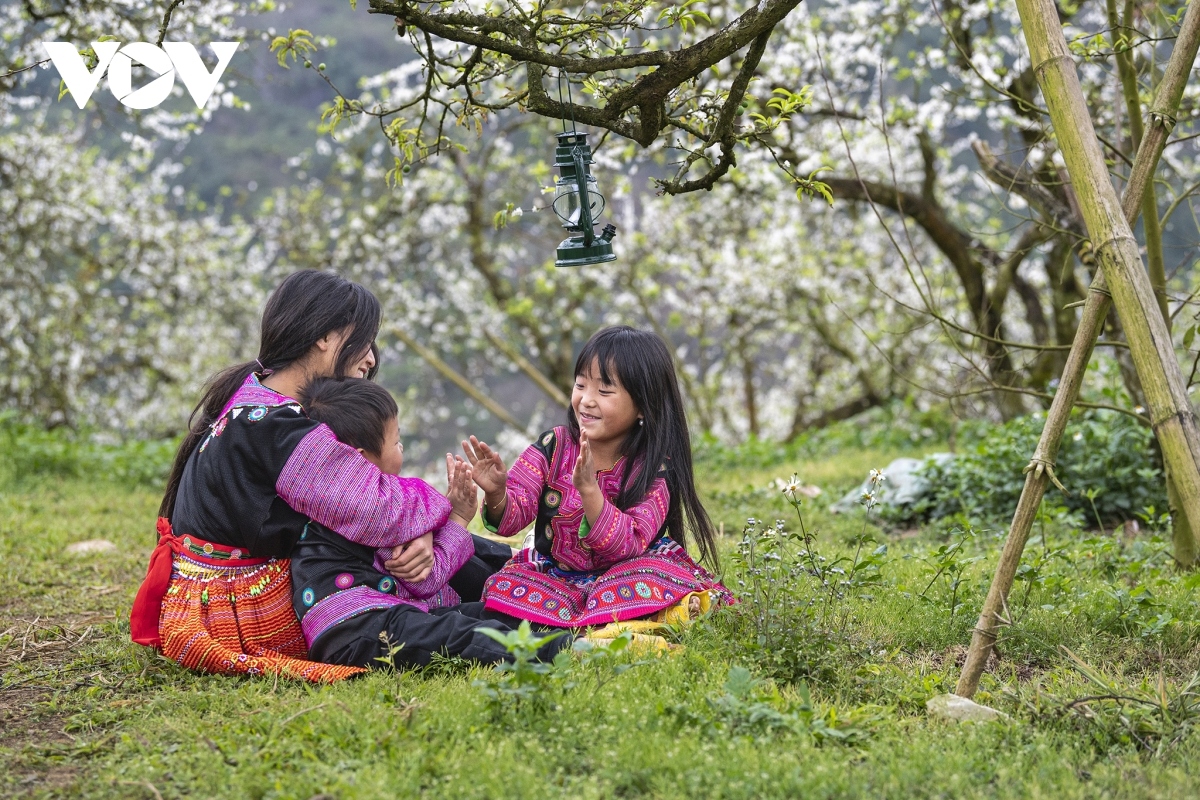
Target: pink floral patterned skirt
[531,587]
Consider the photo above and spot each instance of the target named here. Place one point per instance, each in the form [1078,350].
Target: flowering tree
[911,126]
[106,290]
[117,295]
[906,107]
[947,263]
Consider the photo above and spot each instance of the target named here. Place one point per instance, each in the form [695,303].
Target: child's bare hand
[463,496]
[584,475]
[487,466]
[414,562]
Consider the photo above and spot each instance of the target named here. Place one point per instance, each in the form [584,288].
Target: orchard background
[856,231]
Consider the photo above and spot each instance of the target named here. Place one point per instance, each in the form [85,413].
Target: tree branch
[522,41]
[166,21]
[946,236]
[458,379]
[1022,182]
[723,131]
[525,365]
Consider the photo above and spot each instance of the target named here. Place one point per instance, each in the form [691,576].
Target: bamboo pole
[1041,467]
[1182,531]
[1117,252]
[1128,78]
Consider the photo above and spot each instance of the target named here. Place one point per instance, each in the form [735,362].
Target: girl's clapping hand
[487,466]
[463,496]
[584,475]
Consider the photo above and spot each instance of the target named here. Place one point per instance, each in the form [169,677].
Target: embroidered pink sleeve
[333,484]
[452,547]
[618,535]
[525,481]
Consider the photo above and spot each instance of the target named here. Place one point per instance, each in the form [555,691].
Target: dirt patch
[59,776]
[36,742]
[23,721]
[996,664]
[36,661]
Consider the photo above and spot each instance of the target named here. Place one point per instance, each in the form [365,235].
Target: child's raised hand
[584,475]
[487,466]
[463,496]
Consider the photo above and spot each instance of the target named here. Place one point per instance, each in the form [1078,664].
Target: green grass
[88,714]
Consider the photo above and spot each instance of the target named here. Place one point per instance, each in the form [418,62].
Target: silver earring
[641,422]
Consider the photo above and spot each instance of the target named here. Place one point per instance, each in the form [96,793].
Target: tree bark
[1048,48]
[958,248]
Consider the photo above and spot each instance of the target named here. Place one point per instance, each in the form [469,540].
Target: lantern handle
[585,199]
[563,74]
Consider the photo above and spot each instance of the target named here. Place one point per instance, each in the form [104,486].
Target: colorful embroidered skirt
[531,587]
[234,619]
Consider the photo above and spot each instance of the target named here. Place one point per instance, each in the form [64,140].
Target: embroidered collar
[253,393]
[619,463]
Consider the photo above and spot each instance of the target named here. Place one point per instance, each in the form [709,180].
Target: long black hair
[642,364]
[308,305]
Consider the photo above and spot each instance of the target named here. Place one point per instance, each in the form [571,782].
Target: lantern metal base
[574,253]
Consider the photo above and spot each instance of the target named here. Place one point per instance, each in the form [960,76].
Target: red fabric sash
[147,605]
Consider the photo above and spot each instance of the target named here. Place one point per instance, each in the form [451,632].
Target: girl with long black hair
[611,494]
[252,471]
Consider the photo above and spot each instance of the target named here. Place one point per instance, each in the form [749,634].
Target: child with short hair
[364,415]
[340,589]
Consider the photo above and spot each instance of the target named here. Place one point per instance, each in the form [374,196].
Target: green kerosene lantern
[579,204]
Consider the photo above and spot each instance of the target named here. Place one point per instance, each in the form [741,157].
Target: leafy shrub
[791,619]
[894,427]
[30,451]
[1107,462]
[524,682]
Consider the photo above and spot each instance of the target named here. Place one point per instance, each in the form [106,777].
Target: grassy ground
[88,714]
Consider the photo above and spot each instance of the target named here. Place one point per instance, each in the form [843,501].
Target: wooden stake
[1040,20]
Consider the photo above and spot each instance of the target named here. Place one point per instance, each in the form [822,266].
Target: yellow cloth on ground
[689,608]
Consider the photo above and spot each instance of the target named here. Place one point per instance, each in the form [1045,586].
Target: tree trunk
[1064,288]
[1048,48]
